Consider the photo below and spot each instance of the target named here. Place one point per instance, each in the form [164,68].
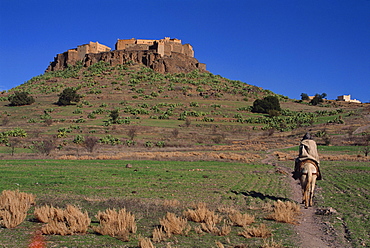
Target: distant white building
[347,98]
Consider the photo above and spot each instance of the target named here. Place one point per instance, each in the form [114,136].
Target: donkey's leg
[303,180]
[312,189]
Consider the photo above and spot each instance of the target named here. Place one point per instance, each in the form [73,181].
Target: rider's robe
[308,150]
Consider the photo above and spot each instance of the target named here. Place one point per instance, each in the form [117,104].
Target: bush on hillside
[266,104]
[304,97]
[318,99]
[68,96]
[20,99]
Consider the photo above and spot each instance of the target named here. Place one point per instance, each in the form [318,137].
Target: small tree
[67,96]
[304,97]
[318,99]
[20,99]
[114,115]
[45,147]
[90,142]
[132,132]
[266,104]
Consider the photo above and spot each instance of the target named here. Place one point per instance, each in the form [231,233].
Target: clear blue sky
[287,46]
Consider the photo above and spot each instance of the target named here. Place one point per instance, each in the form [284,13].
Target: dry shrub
[285,212]
[116,223]
[159,234]
[198,229]
[270,243]
[202,214]
[174,225]
[14,206]
[239,219]
[208,219]
[171,203]
[210,227]
[67,221]
[219,244]
[260,232]
[44,213]
[145,243]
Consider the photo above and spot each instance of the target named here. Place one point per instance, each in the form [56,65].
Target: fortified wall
[165,55]
[164,47]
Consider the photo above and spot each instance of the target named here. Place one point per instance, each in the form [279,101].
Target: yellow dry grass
[159,234]
[202,214]
[44,213]
[174,225]
[239,219]
[219,244]
[270,243]
[260,232]
[145,243]
[211,227]
[171,203]
[67,221]
[14,206]
[206,156]
[116,223]
[284,212]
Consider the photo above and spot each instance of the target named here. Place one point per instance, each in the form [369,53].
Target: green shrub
[148,144]
[318,99]
[67,96]
[79,139]
[20,99]
[266,104]
[110,140]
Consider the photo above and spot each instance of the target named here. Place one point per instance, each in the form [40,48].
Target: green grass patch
[100,184]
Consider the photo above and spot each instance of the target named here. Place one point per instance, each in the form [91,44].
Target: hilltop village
[165,55]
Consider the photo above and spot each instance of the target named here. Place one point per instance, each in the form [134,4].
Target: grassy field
[143,189]
[345,188]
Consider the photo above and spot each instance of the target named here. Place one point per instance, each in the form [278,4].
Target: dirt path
[310,230]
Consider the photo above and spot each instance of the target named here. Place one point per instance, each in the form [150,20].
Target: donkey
[309,173]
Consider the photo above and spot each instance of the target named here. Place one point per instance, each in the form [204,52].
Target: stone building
[92,47]
[347,98]
[164,46]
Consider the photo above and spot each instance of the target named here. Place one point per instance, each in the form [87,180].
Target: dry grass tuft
[44,213]
[211,227]
[219,244]
[270,243]
[174,225]
[116,223]
[159,234]
[198,230]
[14,206]
[63,222]
[208,220]
[239,219]
[145,243]
[285,212]
[171,203]
[259,232]
[202,214]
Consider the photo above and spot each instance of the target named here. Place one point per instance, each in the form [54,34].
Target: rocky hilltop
[164,56]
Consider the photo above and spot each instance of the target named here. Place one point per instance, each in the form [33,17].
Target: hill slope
[162,112]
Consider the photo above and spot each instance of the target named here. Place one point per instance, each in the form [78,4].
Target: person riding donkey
[307,151]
